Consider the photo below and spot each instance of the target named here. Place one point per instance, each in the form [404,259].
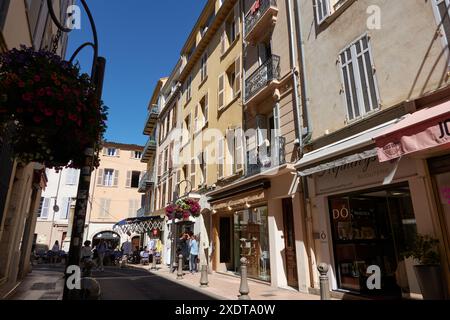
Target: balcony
[263,81]
[150,122]
[268,159]
[149,150]
[260,20]
[147,180]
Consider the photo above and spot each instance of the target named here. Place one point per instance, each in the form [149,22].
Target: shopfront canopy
[139,225]
[426,129]
[318,160]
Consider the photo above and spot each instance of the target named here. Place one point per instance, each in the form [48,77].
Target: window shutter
[193,174]
[441,12]
[171,156]
[205,112]
[129,173]
[117,152]
[116,178]
[107,207]
[100,177]
[222,42]
[105,151]
[160,163]
[196,122]
[220,162]
[239,157]
[45,208]
[323,10]
[237,72]
[221,91]
[237,18]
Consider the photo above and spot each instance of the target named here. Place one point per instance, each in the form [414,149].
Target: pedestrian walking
[127,250]
[55,252]
[86,258]
[193,254]
[101,248]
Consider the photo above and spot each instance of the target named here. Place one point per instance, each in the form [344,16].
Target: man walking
[193,254]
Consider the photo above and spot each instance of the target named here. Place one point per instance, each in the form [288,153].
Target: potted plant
[50,108]
[182,209]
[425,251]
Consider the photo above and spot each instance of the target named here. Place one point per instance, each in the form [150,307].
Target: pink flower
[48,112]
[37,78]
[60,112]
[37,119]
[28,96]
[73,117]
[41,92]
[21,84]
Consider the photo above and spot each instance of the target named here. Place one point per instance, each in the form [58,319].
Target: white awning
[360,140]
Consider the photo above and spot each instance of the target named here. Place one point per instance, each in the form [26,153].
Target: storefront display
[251,240]
[371,228]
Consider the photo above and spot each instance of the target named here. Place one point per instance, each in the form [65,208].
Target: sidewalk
[226,287]
[45,282]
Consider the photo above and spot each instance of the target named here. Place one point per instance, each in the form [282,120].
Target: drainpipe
[298,120]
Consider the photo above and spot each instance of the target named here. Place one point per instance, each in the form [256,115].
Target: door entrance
[289,243]
[225,241]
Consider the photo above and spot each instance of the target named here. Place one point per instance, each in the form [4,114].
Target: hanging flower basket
[182,209]
[52,108]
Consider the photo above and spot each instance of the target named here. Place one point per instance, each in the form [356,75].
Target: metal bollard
[243,288]
[204,277]
[324,283]
[180,267]
[153,263]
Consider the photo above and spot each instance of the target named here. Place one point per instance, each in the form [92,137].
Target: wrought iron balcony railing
[149,149]
[150,121]
[267,72]
[253,17]
[263,160]
[146,181]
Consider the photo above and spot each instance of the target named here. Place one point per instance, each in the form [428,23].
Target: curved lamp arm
[94,45]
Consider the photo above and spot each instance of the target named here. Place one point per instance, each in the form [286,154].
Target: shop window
[252,241]
[371,228]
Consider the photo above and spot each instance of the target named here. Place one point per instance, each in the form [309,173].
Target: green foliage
[425,250]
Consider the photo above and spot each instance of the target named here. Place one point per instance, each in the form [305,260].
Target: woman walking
[101,251]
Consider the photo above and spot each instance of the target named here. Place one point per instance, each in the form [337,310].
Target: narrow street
[46,283]
[130,284]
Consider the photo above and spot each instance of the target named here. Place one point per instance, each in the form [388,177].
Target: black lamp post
[97,75]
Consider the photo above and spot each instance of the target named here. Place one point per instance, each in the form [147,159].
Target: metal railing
[267,72]
[147,178]
[252,18]
[262,160]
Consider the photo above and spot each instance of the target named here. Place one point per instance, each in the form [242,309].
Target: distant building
[114,189]
[56,207]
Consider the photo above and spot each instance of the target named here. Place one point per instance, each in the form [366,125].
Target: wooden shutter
[192,174]
[171,155]
[220,158]
[237,72]
[116,178]
[221,91]
[45,208]
[239,156]
[196,116]
[160,164]
[117,152]
[105,151]
[100,177]
[222,41]
[237,18]
[129,174]
[205,111]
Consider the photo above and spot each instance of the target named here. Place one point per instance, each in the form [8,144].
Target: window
[220,158]
[358,76]
[64,208]
[221,93]
[136,155]
[230,31]
[71,177]
[133,178]
[133,207]
[204,111]
[197,125]
[441,11]
[108,177]
[105,205]
[112,152]
[323,10]
[44,207]
[203,67]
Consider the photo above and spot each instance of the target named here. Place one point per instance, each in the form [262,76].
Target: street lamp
[97,75]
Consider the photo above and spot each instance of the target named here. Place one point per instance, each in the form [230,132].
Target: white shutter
[221,91]
[222,42]
[196,118]
[323,10]
[220,158]
[205,111]
[116,178]
[45,208]
[117,152]
[192,176]
[237,16]
[105,151]
[239,157]
[100,177]
[237,72]
[129,174]
[229,157]
[64,210]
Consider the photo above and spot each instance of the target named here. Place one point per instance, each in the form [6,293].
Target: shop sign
[360,173]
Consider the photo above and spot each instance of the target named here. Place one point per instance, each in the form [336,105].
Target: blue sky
[141,41]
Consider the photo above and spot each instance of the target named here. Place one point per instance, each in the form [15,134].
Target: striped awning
[139,225]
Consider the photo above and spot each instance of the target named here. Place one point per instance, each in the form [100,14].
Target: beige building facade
[367,65]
